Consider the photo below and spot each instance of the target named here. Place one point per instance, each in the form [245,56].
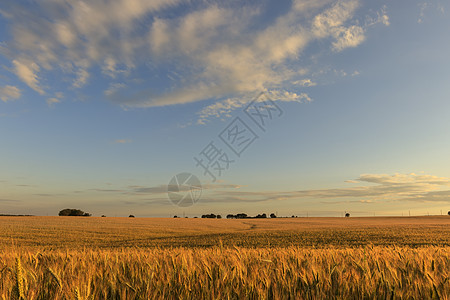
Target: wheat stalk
[56,277]
[77,294]
[19,279]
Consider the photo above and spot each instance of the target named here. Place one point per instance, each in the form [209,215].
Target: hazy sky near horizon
[103,102]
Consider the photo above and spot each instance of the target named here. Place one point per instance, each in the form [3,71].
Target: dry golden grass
[314,258]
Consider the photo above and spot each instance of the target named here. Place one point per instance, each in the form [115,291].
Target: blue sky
[103,102]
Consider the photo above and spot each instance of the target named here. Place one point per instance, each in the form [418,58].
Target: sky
[305,107]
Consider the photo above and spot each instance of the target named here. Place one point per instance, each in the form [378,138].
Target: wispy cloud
[27,72]
[55,100]
[114,88]
[82,76]
[52,101]
[217,51]
[380,17]
[397,187]
[9,92]
[305,82]
[427,5]
[224,108]
[367,189]
[9,200]
[47,195]
[162,189]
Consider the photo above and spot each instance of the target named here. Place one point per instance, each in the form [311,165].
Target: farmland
[107,233]
[125,258]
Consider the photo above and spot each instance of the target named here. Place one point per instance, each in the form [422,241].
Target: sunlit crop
[222,271]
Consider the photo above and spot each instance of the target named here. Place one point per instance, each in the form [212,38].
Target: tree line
[239,216]
[79,212]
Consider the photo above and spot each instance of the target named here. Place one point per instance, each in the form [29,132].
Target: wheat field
[35,263]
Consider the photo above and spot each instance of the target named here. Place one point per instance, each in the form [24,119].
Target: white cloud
[397,187]
[216,49]
[26,71]
[381,17]
[109,67]
[423,7]
[65,34]
[305,82]
[223,108]
[9,92]
[285,96]
[55,100]
[81,79]
[220,108]
[77,32]
[326,23]
[348,37]
[52,101]
[159,38]
[162,189]
[113,88]
[397,178]
[332,23]
[428,5]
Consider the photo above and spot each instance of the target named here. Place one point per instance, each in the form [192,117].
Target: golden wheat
[403,258]
[19,288]
[234,273]
[44,233]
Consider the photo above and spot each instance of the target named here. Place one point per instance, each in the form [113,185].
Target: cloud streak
[27,72]
[9,92]
[369,189]
[224,108]
[393,188]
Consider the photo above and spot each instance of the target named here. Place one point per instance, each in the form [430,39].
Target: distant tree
[449,212]
[73,212]
[347,215]
[103,216]
[219,217]
[261,216]
[210,216]
[241,216]
[230,216]
[272,215]
[175,217]
[130,216]
[293,216]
